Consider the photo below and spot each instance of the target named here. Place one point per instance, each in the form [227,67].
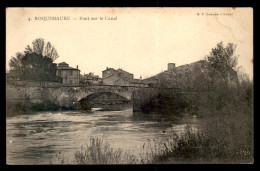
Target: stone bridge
[68,96]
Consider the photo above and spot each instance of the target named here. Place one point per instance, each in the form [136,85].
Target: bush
[98,152]
[226,133]
[163,101]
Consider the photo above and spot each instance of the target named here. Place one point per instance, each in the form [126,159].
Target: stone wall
[65,96]
[21,93]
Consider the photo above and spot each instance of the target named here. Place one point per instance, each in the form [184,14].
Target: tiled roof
[63,63]
[120,70]
[110,69]
[109,76]
[66,68]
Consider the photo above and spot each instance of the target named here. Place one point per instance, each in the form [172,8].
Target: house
[120,73]
[91,79]
[184,76]
[120,77]
[69,75]
[137,83]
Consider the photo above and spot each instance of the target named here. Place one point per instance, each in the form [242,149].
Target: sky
[141,41]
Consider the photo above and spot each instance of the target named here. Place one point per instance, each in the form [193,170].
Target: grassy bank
[220,140]
[226,132]
[226,139]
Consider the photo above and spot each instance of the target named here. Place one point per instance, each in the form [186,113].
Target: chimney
[171,66]
[107,67]
[140,77]
[77,66]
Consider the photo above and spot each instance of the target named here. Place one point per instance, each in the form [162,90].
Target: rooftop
[123,71]
[120,70]
[63,63]
[65,66]
[110,69]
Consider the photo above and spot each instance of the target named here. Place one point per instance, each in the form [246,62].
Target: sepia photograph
[129,86]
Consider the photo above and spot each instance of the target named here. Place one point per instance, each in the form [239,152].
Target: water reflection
[36,139]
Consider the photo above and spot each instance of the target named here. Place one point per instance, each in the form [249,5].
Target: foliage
[38,67]
[98,152]
[221,57]
[16,64]
[36,63]
[220,64]
[226,132]
[40,48]
[160,100]
[225,139]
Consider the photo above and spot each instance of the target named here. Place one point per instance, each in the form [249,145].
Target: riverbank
[227,129]
[220,140]
[226,134]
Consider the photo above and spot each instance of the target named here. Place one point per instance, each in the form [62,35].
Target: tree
[38,67]
[220,64]
[51,52]
[16,65]
[242,76]
[40,48]
[36,63]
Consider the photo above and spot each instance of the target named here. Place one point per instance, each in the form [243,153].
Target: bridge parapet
[105,86]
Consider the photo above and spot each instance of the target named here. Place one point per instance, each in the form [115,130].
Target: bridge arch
[92,96]
[83,92]
[100,98]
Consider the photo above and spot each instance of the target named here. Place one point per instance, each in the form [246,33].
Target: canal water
[38,138]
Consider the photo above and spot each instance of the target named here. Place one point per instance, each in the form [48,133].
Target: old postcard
[129,86]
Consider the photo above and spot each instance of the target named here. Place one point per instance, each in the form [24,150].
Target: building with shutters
[69,75]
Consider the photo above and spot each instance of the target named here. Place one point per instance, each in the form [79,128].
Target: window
[71,81]
[70,72]
[59,72]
